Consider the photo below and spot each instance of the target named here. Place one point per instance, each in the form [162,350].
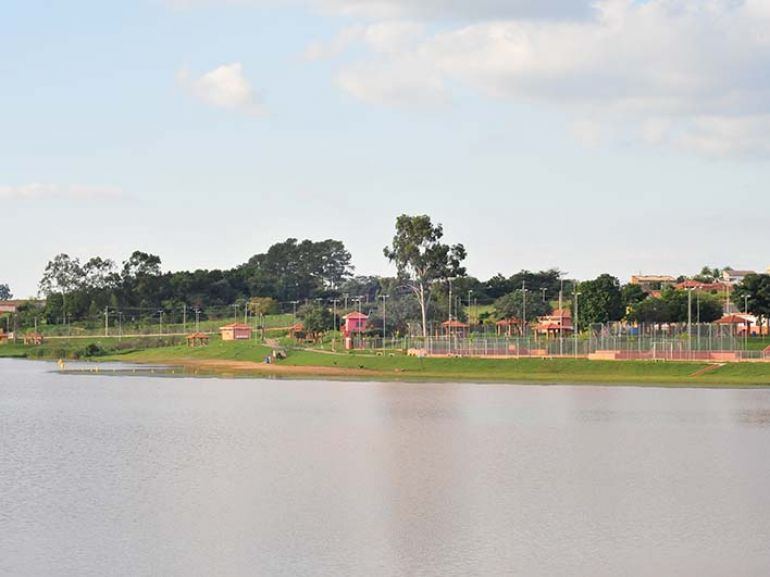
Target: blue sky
[620,138]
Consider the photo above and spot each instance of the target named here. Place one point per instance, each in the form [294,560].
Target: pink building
[354,323]
[235,332]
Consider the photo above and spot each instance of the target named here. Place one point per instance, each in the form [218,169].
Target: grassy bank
[247,358]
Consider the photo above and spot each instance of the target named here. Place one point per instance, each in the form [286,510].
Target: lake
[148,476]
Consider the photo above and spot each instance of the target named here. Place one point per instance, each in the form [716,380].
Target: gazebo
[735,321]
[197,340]
[454,327]
[506,326]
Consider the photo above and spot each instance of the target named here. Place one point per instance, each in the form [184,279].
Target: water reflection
[190,477]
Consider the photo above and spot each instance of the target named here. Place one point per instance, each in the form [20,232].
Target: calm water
[143,476]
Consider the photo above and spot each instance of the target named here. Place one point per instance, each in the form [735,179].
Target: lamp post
[383,319]
[470,310]
[577,320]
[523,309]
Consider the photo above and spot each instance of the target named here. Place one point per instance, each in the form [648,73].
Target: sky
[614,136]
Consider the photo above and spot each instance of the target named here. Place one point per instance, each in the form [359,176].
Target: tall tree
[62,276]
[600,300]
[755,288]
[421,258]
[512,305]
[5,292]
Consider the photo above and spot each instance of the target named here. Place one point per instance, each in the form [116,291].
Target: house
[706,287]
[733,277]
[235,332]
[559,322]
[355,322]
[653,283]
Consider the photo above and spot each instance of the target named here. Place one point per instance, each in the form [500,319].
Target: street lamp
[383,319]
[577,320]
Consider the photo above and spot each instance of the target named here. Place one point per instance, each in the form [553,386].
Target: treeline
[288,271]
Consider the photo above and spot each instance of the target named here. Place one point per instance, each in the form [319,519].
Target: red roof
[508,322]
[454,325]
[355,315]
[733,320]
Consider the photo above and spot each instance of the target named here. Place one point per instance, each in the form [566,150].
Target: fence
[609,348]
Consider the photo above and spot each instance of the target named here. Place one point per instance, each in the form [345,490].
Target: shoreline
[225,368]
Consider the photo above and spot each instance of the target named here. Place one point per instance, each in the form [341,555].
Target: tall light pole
[523,309]
[561,316]
[383,318]
[184,318]
[545,290]
[294,314]
[747,324]
[470,310]
[449,280]
[689,317]
[334,312]
[197,320]
[577,320]
[160,322]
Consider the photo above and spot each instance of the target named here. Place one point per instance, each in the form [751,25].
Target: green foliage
[421,258]
[316,319]
[5,292]
[756,288]
[512,305]
[632,295]
[600,301]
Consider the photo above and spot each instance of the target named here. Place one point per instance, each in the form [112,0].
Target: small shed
[355,322]
[197,340]
[33,339]
[235,332]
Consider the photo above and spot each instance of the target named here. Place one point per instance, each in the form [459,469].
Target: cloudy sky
[616,135]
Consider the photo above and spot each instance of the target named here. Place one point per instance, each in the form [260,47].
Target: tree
[600,300]
[632,295]
[316,319]
[62,275]
[421,258]
[511,306]
[651,311]
[757,288]
[5,292]
[683,306]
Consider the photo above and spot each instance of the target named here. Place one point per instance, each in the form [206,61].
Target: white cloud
[224,87]
[686,73]
[460,9]
[36,190]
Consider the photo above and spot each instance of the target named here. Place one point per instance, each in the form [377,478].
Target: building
[235,332]
[733,277]
[706,287]
[355,322]
[559,322]
[653,283]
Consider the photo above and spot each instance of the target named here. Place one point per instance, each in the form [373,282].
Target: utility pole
[383,319]
[470,308]
[334,312]
[184,318]
[561,316]
[346,300]
[106,321]
[235,312]
[577,321]
[197,320]
[523,308]
[294,322]
[689,318]
[160,323]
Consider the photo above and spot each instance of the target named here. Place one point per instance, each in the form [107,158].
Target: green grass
[399,366]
